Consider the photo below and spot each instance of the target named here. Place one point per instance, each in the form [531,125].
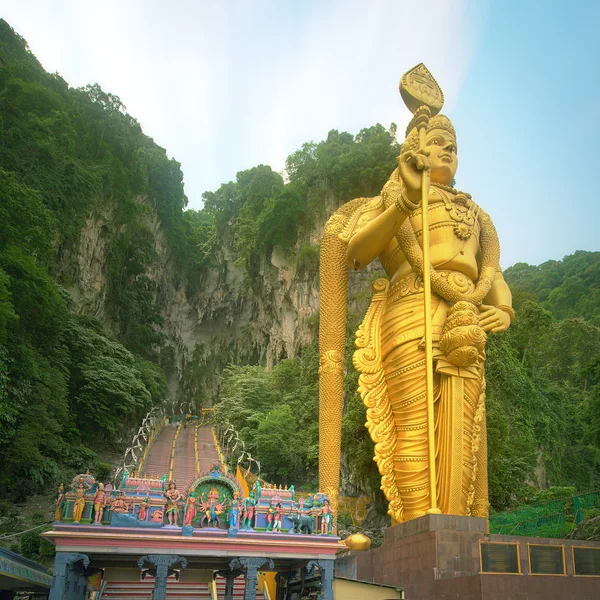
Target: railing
[196,457]
[153,435]
[139,444]
[172,459]
[208,416]
[583,503]
[551,519]
[220,454]
[356,508]
[265,589]
[230,444]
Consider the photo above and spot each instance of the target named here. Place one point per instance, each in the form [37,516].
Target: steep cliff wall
[230,318]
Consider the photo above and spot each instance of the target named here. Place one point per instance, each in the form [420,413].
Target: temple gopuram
[183,526]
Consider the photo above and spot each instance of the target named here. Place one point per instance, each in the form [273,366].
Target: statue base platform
[452,557]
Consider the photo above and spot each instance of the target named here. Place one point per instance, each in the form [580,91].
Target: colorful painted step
[176,590]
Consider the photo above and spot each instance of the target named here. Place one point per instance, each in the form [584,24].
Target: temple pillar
[229,580]
[162,562]
[326,569]
[69,581]
[250,565]
[230,577]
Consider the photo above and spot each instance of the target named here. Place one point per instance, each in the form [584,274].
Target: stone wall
[438,557]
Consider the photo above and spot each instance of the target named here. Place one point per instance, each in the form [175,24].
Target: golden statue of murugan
[421,347]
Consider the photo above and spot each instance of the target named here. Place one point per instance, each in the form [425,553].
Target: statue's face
[444,162]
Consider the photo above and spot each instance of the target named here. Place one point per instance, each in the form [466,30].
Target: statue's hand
[492,319]
[411,165]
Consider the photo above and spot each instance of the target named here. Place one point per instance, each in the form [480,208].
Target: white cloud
[225,86]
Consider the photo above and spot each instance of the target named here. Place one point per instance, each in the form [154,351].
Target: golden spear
[424,98]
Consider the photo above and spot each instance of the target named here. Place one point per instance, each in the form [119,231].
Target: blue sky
[224,86]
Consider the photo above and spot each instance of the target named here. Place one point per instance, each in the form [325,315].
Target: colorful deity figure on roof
[249,507]
[60,503]
[119,504]
[99,501]
[213,507]
[190,509]
[302,517]
[326,515]
[278,518]
[234,511]
[172,509]
[271,516]
[79,503]
[143,510]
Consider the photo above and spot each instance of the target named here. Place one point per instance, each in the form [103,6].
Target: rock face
[233,318]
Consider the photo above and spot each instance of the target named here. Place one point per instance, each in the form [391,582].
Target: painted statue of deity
[326,517]
[234,511]
[173,497]
[271,513]
[119,504]
[469,300]
[213,507]
[302,516]
[249,507]
[79,503]
[143,510]
[190,509]
[99,501]
[60,503]
[278,518]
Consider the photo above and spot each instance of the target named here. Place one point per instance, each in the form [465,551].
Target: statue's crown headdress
[412,135]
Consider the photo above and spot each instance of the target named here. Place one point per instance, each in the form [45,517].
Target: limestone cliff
[232,318]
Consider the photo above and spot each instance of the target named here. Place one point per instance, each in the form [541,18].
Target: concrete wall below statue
[438,556]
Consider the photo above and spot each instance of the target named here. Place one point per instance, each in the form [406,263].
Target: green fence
[553,519]
[583,503]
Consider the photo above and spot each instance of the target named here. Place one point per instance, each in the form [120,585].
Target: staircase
[159,456]
[207,451]
[176,590]
[184,471]
[184,466]
[238,589]
[142,590]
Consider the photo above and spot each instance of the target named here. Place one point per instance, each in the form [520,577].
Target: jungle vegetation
[71,383]
[543,397]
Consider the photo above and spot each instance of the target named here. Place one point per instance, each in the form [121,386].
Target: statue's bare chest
[454,231]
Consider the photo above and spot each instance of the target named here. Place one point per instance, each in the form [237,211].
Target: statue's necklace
[463,217]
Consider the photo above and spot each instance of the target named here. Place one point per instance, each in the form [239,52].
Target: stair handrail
[212,586]
[196,457]
[153,435]
[139,443]
[225,435]
[172,460]
[265,590]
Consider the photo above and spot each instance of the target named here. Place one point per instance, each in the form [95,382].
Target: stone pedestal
[437,557]
[419,553]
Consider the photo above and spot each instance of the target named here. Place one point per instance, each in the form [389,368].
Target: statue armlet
[365,214]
